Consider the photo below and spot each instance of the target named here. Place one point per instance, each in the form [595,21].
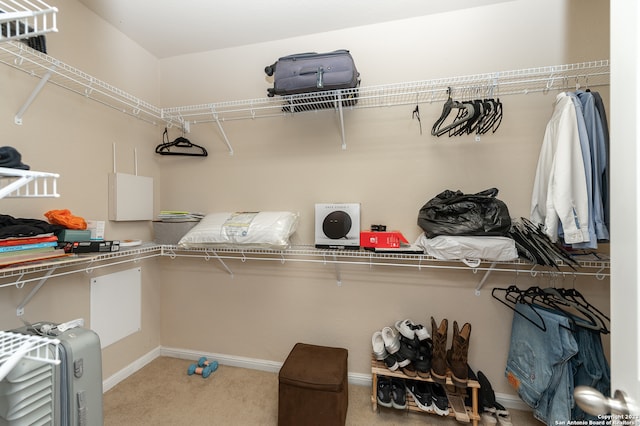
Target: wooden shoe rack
[378,368]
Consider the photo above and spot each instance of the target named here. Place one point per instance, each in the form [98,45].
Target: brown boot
[439,361]
[457,355]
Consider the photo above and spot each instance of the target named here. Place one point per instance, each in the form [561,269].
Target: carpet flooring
[163,394]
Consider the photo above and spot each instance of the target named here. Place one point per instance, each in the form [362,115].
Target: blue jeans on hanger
[590,367]
[538,362]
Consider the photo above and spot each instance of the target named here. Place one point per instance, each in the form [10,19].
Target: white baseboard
[357,379]
[513,402]
[130,369]
[231,360]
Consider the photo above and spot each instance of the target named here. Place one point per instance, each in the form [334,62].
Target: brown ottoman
[313,387]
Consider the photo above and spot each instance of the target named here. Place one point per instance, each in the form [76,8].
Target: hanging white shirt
[560,188]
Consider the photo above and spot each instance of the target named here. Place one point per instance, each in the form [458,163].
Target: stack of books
[17,250]
[179,216]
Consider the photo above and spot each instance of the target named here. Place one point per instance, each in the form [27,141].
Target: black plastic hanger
[416,114]
[514,296]
[536,297]
[492,113]
[575,296]
[582,317]
[465,112]
[180,146]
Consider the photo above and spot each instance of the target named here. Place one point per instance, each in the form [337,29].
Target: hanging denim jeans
[590,367]
[537,364]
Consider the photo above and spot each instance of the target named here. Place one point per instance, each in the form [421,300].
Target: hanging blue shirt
[598,161]
[586,159]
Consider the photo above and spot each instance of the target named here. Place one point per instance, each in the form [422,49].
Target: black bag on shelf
[313,72]
[455,213]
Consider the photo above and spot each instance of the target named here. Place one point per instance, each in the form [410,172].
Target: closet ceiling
[175,27]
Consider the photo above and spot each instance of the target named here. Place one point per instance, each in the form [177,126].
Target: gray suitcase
[77,381]
[313,72]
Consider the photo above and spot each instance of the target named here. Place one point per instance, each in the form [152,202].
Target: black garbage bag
[456,213]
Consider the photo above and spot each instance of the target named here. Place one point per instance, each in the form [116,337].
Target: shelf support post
[215,254]
[484,278]
[224,135]
[338,274]
[34,290]
[18,117]
[344,141]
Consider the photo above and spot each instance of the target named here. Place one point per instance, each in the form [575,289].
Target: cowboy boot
[438,360]
[457,355]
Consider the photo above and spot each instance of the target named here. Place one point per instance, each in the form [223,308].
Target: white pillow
[261,230]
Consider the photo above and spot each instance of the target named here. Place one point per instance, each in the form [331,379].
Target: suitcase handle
[319,72]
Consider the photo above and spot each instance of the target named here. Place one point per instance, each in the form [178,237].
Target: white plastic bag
[469,249]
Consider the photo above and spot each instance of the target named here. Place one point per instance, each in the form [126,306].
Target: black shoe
[410,370]
[402,360]
[398,394]
[440,400]
[468,398]
[423,361]
[486,396]
[391,362]
[409,348]
[384,391]
[421,394]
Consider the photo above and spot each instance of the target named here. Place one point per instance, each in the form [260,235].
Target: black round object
[336,225]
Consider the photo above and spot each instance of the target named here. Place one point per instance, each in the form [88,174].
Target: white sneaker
[488,419]
[405,327]
[377,343]
[391,340]
[503,416]
[409,329]
[421,332]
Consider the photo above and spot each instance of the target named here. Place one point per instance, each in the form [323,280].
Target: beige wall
[74,136]
[290,163]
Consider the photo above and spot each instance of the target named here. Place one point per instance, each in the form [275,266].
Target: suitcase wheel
[269,69]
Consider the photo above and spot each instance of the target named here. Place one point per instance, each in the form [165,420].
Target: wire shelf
[524,81]
[588,266]
[31,271]
[50,70]
[17,183]
[22,19]
[15,346]
[39,347]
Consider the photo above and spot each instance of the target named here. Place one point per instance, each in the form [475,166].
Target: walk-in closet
[107,101]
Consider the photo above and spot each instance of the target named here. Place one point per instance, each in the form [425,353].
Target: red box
[382,239]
